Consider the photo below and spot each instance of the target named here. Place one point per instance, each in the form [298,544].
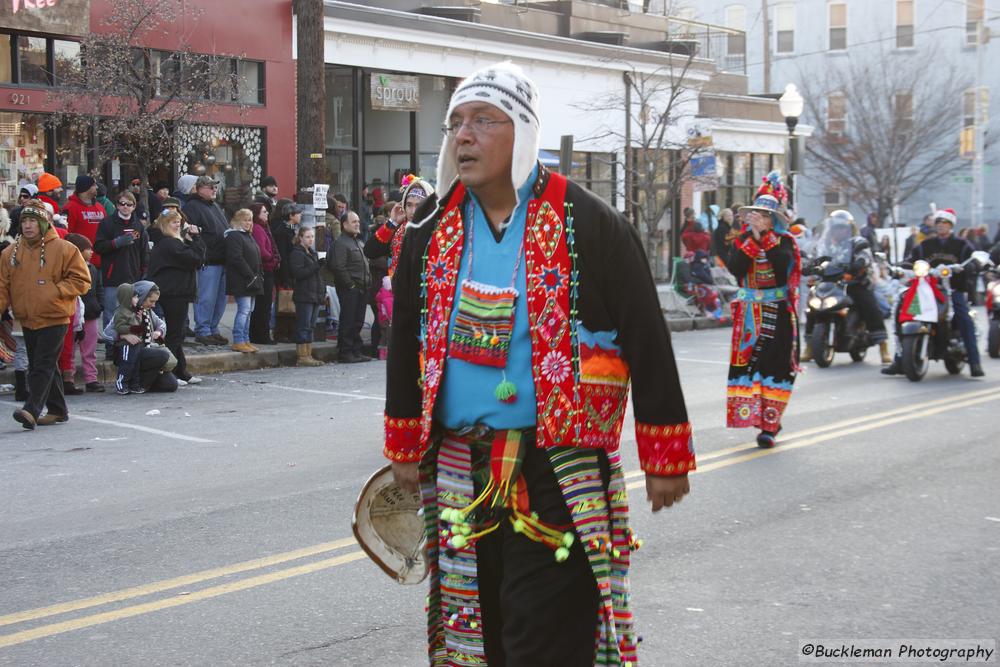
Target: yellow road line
[167,584]
[826,437]
[855,425]
[174,601]
[709,456]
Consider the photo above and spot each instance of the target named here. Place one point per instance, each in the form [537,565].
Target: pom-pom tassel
[506,391]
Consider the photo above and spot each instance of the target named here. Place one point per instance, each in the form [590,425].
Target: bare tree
[657,145]
[887,126]
[134,99]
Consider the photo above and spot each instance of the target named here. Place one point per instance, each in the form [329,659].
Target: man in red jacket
[84,213]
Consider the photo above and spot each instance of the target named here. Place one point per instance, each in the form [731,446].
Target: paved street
[212,526]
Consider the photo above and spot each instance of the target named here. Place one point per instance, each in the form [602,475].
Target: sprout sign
[63,17]
[395,92]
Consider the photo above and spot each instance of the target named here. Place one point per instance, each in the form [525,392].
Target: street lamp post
[791,104]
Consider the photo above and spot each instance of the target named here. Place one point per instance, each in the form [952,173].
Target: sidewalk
[209,359]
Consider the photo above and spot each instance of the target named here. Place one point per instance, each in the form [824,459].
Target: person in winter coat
[260,330]
[27,193]
[104,200]
[84,213]
[695,238]
[50,190]
[203,212]
[41,277]
[174,263]
[284,223]
[350,269]
[153,361]
[309,293]
[90,330]
[244,279]
[185,187]
[123,244]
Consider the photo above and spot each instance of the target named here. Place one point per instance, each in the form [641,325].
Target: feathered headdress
[772,197]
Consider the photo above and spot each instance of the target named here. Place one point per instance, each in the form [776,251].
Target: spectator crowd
[139,276]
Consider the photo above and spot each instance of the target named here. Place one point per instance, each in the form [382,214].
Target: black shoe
[976,370]
[71,389]
[220,339]
[95,387]
[350,359]
[137,390]
[25,418]
[188,333]
[893,368]
[765,440]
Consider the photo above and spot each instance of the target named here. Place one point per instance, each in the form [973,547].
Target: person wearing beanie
[27,192]
[946,248]
[86,327]
[50,190]
[104,200]
[185,187]
[41,277]
[268,193]
[523,310]
[84,213]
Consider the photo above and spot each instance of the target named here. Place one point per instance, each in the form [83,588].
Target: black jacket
[952,250]
[283,234]
[92,307]
[346,260]
[123,259]
[781,256]
[305,266]
[244,275]
[211,220]
[173,266]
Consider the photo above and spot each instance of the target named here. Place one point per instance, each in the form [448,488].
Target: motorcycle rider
[845,247]
[946,248]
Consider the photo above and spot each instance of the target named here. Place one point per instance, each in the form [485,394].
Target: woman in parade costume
[764,357]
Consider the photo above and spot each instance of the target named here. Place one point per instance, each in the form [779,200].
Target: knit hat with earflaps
[35,209]
[506,87]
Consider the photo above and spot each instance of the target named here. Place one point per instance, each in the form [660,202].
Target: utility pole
[982,37]
[311,103]
[767,46]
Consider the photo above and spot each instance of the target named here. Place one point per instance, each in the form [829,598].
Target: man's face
[92,192]
[271,190]
[943,228]
[206,191]
[352,225]
[341,207]
[29,228]
[484,145]
[22,199]
[412,203]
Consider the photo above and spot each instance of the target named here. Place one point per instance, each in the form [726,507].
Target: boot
[305,356]
[895,368]
[883,348]
[20,386]
[976,370]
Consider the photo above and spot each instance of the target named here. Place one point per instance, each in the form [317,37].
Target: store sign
[63,17]
[395,92]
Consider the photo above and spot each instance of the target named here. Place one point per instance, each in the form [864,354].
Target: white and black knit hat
[506,87]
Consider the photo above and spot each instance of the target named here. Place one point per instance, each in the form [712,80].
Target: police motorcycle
[833,322]
[927,331]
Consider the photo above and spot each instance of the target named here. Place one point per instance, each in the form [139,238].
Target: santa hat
[946,214]
[506,87]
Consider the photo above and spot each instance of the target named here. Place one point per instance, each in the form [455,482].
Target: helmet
[840,215]
[389,526]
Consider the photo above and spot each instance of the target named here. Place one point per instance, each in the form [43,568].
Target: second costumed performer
[524,306]
[763,360]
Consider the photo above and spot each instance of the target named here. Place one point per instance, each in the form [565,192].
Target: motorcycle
[833,323]
[993,312]
[927,330]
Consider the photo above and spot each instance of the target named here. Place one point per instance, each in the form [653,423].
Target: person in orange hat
[50,190]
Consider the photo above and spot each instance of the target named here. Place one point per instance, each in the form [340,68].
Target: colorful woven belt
[769,295]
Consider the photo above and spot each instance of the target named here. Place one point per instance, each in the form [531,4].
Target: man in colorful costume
[387,240]
[763,362]
[506,394]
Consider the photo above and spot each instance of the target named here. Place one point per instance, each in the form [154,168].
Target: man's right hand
[407,475]
[131,339]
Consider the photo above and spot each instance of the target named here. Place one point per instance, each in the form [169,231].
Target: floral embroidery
[555,367]
[551,280]
[432,373]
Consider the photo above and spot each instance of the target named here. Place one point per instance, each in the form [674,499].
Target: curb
[209,363]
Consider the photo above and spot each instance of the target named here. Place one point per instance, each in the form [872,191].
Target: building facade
[807,38]
[249,131]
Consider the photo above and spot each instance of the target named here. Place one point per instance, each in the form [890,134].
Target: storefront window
[341,167]
[340,109]
[32,55]
[761,167]
[250,75]
[233,155]
[67,60]
[71,153]
[22,152]
[6,64]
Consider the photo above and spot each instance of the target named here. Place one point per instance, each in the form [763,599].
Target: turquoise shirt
[467,390]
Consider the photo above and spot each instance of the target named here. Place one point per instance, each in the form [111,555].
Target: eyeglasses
[126,203]
[477,126]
